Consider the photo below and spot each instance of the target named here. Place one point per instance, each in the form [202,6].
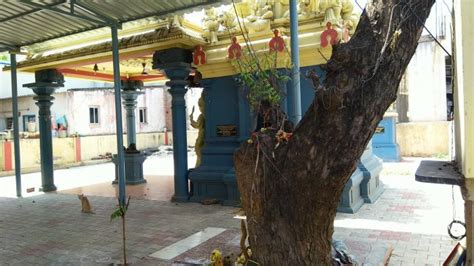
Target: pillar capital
[131,91]
[130,97]
[46,82]
[175,62]
[131,85]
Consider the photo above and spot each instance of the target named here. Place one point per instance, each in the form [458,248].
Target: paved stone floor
[49,229]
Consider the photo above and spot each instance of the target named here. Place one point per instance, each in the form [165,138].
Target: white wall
[153,101]
[426,83]
[75,106]
[26,106]
[80,101]
[426,73]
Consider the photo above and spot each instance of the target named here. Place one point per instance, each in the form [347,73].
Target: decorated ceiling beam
[222,37]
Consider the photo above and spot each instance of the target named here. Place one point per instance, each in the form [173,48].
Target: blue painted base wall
[385,140]
[215,177]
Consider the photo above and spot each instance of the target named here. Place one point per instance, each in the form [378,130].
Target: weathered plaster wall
[423,91]
[91,147]
[26,106]
[75,106]
[153,100]
[425,139]
[426,82]
[80,101]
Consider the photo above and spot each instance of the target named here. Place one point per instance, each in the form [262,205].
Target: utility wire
[429,32]
[424,26]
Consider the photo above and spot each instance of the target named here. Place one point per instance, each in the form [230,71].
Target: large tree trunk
[290,194]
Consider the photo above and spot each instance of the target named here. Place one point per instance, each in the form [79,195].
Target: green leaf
[117,213]
[120,212]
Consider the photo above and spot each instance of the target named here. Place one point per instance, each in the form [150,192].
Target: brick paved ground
[49,229]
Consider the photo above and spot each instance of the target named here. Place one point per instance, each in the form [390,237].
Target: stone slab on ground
[228,242]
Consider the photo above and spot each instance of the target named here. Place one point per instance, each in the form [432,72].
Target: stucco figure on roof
[229,21]
[211,25]
[261,15]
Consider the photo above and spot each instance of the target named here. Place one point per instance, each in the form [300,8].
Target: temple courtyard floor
[49,228]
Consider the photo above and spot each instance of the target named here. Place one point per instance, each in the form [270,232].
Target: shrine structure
[180,50]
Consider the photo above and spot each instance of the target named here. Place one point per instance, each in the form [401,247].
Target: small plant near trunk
[121,211]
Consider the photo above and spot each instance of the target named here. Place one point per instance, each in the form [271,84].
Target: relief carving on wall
[253,16]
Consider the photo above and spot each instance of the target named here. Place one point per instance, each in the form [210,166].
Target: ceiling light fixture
[95,69]
[144,69]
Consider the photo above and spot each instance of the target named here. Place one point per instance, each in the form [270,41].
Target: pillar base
[233,194]
[133,168]
[215,178]
[49,188]
[351,199]
[127,182]
[175,198]
[364,186]
[371,187]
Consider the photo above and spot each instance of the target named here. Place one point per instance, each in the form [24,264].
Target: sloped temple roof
[27,22]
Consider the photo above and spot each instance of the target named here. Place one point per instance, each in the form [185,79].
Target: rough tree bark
[290,194]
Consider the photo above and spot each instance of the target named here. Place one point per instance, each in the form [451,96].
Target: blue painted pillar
[16,128]
[118,115]
[47,81]
[129,95]
[176,63]
[295,89]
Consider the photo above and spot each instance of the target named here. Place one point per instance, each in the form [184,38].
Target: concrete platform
[49,229]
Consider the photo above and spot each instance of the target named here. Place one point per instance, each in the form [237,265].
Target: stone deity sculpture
[199,124]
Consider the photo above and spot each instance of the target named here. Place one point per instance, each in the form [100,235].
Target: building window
[94,115]
[143,115]
[9,122]
[449,87]
[27,120]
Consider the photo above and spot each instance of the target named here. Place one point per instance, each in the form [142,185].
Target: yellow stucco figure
[348,16]
[260,17]
[211,25]
[332,11]
[199,125]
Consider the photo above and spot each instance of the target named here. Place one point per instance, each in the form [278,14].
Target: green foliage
[261,79]
[4,58]
[120,212]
